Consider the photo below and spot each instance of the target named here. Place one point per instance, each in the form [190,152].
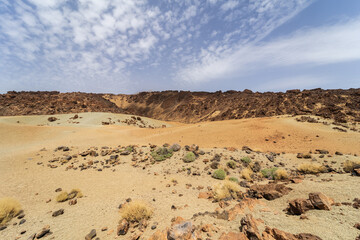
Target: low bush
[161,154]
[246,173]
[281,174]
[62,197]
[233,179]
[311,168]
[231,164]
[246,160]
[219,174]
[226,189]
[349,166]
[189,157]
[269,172]
[9,208]
[136,211]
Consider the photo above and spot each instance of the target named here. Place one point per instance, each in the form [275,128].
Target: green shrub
[219,174]
[161,154]
[189,157]
[129,149]
[233,179]
[231,164]
[269,172]
[246,160]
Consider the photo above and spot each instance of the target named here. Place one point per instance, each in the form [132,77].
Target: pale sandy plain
[21,176]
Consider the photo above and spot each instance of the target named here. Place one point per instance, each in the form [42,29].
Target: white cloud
[319,46]
[91,40]
[231,4]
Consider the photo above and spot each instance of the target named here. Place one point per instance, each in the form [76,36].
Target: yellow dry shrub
[136,211]
[9,208]
[281,173]
[349,165]
[311,168]
[226,189]
[62,197]
[77,192]
[246,173]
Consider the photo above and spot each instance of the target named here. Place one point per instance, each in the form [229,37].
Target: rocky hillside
[190,107]
[340,105]
[34,103]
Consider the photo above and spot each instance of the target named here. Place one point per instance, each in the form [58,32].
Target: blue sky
[127,46]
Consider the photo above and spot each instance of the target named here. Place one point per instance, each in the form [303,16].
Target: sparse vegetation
[226,189]
[62,197]
[231,164]
[189,157]
[129,149]
[269,172]
[246,160]
[233,179]
[311,168]
[75,193]
[136,211]
[281,174]
[246,174]
[349,166]
[161,154]
[9,208]
[219,174]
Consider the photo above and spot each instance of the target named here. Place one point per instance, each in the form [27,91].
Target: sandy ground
[25,176]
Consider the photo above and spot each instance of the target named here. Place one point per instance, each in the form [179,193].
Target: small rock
[123,227]
[32,237]
[175,147]
[320,201]
[3,227]
[91,235]
[43,232]
[357,225]
[58,213]
[73,202]
[181,231]
[22,221]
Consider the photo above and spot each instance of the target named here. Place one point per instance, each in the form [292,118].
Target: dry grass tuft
[311,168]
[280,174]
[350,165]
[136,211]
[77,192]
[9,208]
[62,197]
[226,189]
[246,174]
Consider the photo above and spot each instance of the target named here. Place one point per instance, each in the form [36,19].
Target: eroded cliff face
[340,105]
[190,107]
[41,103]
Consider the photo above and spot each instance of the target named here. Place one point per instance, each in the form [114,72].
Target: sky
[129,46]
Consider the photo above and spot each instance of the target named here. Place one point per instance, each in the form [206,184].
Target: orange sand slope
[283,134]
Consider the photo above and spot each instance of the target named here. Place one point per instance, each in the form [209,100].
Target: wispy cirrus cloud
[92,45]
[318,46]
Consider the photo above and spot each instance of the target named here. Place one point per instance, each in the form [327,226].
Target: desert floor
[27,144]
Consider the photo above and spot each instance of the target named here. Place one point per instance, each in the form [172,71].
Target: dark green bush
[161,154]
[189,157]
[231,164]
[219,174]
